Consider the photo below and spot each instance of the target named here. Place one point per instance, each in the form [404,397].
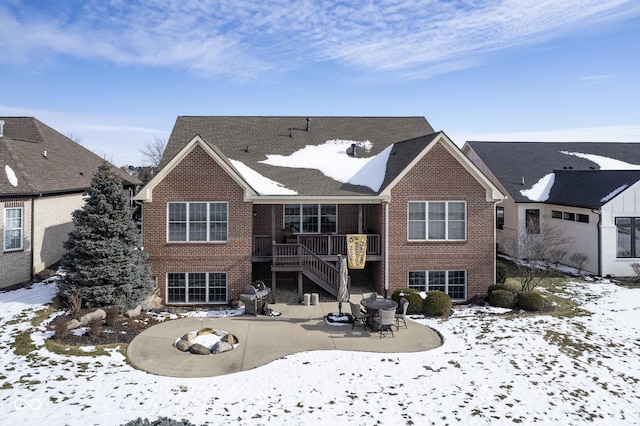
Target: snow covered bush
[103,263]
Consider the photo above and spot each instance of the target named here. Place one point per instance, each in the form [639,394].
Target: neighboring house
[589,191]
[239,199]
[43,176]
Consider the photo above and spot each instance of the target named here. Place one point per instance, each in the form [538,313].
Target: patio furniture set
[380,314]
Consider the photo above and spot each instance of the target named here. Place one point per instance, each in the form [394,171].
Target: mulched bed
[122,330]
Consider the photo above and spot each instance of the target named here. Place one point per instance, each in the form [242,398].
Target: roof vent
[308,124]
[351,151]
[1,128]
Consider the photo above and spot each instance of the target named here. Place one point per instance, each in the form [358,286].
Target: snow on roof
[613,193]
[541,189]
[605,163]
[11,175]
[331,159]
[262,185]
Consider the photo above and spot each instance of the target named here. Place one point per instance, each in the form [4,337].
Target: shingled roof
[590,188]
[519,165]
[250,140]
[36,159]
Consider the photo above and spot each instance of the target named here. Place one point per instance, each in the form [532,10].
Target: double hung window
[454,283]
[437,220]
[311,218]
[198,222]
[13,228]
[197,287]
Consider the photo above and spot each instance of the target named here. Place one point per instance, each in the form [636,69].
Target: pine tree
[103,263]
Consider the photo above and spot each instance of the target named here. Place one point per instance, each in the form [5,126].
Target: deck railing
[319,244]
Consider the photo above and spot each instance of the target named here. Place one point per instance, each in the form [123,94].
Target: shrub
[501,273]
[495,287]
[413,296]
[61,331]
[95,327]
[437,303]
[112,318]
[531,301]
[74,304]
[502,298]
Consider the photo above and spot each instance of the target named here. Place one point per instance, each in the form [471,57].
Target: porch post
[359,218]
[273,286]
[299,286]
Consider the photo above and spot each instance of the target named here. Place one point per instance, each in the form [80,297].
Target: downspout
[386,248]
[599,230]
[33,206]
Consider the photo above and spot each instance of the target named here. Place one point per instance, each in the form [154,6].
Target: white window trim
[319,205]
[446,280]
[6,230]
[186,289]
[446,220]
[207,241]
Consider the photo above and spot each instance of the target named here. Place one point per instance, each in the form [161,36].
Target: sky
[492,369]
[114,75]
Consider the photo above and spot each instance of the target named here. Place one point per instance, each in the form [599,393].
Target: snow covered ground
[492,369]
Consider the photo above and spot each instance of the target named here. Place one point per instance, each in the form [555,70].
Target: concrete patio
[263,339]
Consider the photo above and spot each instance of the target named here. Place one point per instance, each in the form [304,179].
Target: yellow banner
[356,251]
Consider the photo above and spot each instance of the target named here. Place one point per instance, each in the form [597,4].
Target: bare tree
[538,250]
[74,137]
[152,152]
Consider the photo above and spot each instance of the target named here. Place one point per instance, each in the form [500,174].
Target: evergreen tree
[103,263]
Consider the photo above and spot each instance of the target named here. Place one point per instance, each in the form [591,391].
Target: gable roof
[590,188]
[36,159]
[280,149]
[513,163]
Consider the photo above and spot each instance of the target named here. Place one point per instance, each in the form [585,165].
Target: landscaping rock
[96,315]
[221,346]
[74,323]
[198,349]
[154,301]
[205,331]
[183,345]
[135,312]
[190,336]
[229,338]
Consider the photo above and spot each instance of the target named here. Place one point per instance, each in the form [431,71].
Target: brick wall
[440,177]
[199,178]
[15,266]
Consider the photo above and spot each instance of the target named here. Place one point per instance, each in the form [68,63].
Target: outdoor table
[374,305]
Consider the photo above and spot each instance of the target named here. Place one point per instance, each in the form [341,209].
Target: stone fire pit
[206,341]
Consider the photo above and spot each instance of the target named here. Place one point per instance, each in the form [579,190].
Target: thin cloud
[247,38]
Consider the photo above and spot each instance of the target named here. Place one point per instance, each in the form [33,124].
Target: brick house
[43,175]
[239,199]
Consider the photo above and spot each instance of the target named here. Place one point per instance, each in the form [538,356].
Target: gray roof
[514,162]
[589,188]
[250,139]
[67,166]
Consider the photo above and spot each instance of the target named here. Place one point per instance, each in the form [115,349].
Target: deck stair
[298,258]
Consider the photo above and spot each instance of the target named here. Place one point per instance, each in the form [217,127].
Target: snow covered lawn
[492,369]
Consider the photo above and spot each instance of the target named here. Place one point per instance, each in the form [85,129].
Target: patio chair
[384,322]
[358,315]
[371,295]
[401,313]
